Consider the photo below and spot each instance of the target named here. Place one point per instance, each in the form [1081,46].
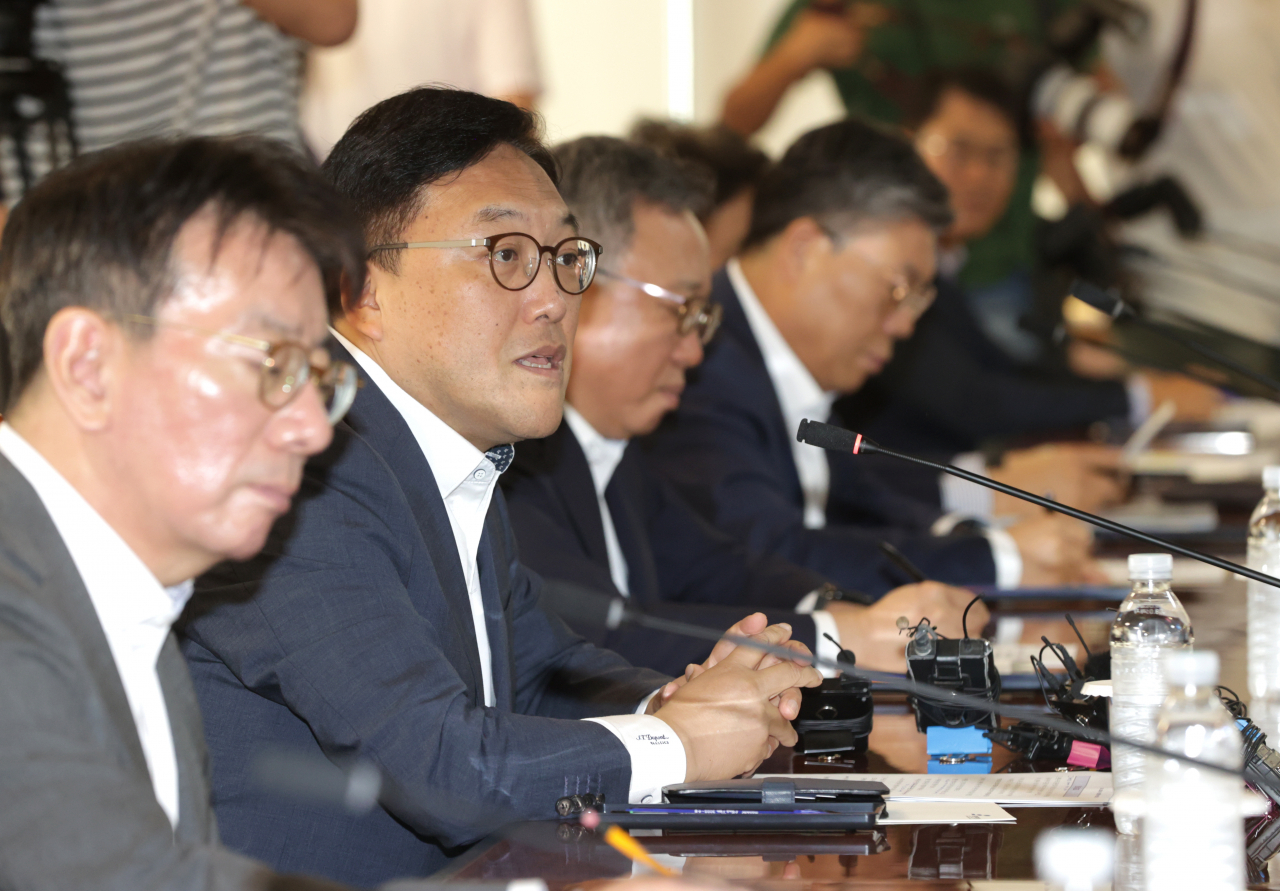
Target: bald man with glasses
[390,617]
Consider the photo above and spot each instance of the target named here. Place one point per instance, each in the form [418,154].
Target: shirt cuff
[963,497]
[1139,398]
[1004,550]
[657,755]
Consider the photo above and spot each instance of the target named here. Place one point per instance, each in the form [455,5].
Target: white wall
[605,63]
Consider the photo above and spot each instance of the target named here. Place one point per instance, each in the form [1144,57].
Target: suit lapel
[736,326]
[375,419]
[194,810]
[625,497]
[573,483]
[28,535]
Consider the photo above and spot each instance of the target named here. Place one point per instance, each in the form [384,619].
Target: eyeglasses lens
[284,373]
[575,265]
[515,261]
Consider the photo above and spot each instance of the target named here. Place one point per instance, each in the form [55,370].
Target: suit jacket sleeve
[342,620]
[714,450]
[74,815]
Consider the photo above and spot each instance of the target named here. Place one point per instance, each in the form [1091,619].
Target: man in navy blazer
[585,507]
[389,617]
[837,266]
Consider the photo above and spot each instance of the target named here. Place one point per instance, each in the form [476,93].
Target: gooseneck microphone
[836,439]
[610,611]
[1116,308]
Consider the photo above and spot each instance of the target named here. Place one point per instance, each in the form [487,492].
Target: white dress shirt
[801,397]
[603,456]
[135,610]
[466,477]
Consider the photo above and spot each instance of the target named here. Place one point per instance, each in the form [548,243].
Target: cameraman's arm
[318,22]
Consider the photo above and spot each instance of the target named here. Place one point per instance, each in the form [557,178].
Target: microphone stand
[837,439]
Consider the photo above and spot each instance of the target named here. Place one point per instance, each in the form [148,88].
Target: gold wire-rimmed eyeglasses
[694,314]
[286,368]
[515,258]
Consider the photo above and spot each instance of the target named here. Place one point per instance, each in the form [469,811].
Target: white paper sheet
[904,812]
[1066,789]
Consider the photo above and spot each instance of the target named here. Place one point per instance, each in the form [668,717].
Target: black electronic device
[755,804]
[836,716]
[965,665]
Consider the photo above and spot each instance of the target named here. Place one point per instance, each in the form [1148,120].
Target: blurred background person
[734,164]
[118,70]
[485,46]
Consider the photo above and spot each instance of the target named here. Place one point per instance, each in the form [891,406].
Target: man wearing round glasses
[584,506]
[389,616]
[164,310]
[837,267]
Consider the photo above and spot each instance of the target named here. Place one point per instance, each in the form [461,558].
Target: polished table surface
[933,856]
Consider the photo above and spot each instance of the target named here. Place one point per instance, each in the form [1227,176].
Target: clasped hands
[735,709]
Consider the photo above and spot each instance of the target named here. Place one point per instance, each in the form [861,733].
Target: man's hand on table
[732,714]
[1081,475]
[872,633]
[1055,551]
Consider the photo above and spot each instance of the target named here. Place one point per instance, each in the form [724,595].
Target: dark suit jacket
[352,633]
[678,565]
[728,451]
[948,389]
[79,810]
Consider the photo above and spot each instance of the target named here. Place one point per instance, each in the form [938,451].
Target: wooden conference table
[974,856]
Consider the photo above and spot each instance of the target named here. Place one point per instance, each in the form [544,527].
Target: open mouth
[543,359]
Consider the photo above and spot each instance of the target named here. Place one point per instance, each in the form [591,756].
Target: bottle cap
[1150,567]
[1271,477]
[1198,667]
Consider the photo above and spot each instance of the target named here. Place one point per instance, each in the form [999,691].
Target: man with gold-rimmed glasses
[390,617]
[164,307]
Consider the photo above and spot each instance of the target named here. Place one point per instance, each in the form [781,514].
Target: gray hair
[846,174]
[602,178]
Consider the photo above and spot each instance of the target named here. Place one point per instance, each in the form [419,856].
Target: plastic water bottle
[1150,622]
[1264,610]
[1193,831]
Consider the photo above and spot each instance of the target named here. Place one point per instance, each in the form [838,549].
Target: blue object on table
[956,741]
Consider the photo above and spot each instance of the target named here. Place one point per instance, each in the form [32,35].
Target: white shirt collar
[603,455]
[134,609]
[798,393]
[452,458]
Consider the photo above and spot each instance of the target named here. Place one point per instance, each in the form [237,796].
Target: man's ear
[802,242]
[81,352]
[362,312]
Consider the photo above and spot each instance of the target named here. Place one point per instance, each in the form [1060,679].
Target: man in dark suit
[584,506]
[389,616]
[837,267]
[967,374]
[164,306]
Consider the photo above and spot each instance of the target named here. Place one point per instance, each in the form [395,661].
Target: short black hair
[984,84]
[735,163]
[844,174]
[99,233]
[602,178]
[417,138]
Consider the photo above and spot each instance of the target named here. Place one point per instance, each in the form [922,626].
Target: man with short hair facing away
[838,266]
[584,506]
[389,616]
[164,306]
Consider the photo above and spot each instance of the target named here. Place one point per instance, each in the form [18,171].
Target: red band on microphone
[857,444]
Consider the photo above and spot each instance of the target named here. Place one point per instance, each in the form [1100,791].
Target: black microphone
[1108,303]
[826,436]
[611,611]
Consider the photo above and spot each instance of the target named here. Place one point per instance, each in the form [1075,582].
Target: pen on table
[900,560]
[618,839]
